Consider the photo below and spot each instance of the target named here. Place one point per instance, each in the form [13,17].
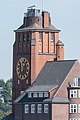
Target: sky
[65,16]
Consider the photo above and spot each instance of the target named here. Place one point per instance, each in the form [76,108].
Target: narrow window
[26,108]
[27,81]
[46,108]
[32,108]
[39,108]
[52,37]
[40,36]
[24,37]
[19,37]
[73,108]
[18,82]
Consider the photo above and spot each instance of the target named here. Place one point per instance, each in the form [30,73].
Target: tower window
[39,108]
[52,37]
[27,81]
[18,82]
[40,36]
[32,108]
[26,108]
[46,108]
[19,37]
[24,37]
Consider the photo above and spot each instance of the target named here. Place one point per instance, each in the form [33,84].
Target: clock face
[22,68]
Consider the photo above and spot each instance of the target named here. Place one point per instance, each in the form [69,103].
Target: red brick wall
[60,112]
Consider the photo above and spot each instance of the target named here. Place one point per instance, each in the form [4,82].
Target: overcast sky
[65,16]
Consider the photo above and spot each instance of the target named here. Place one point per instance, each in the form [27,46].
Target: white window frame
[73,107]
[18,82]
[46,108]
[78,108]
[74,93]
[39,108]
[46,94]
[26,108]
[40,94]
[27,81]
[32,108]
[79,93]
[35,94]
[75,82]
[29,94]
[73,119]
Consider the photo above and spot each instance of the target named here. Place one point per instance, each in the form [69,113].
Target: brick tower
[36,41]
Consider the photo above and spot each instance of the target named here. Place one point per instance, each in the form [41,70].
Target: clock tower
[36,41]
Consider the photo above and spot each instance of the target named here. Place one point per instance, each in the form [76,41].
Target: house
[55,94]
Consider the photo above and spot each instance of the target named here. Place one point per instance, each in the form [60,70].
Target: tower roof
[59,43]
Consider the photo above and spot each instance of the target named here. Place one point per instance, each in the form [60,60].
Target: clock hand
[21,66]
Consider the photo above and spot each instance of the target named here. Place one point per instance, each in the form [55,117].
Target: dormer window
[40,94]
[45,94]
[35,94]
[76,82]
[29,95]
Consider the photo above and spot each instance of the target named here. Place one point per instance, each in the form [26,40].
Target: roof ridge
[63,60]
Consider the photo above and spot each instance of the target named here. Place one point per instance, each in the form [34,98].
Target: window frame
[51,37]
[73,118]
[39,108]
[41,94]
[26,108]
[29,94]
[72,92]
[72,110]
[46,94]
[46,108]
[35,94]
[40,36]
[33,108]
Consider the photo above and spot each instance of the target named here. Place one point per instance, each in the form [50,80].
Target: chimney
[46,20]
